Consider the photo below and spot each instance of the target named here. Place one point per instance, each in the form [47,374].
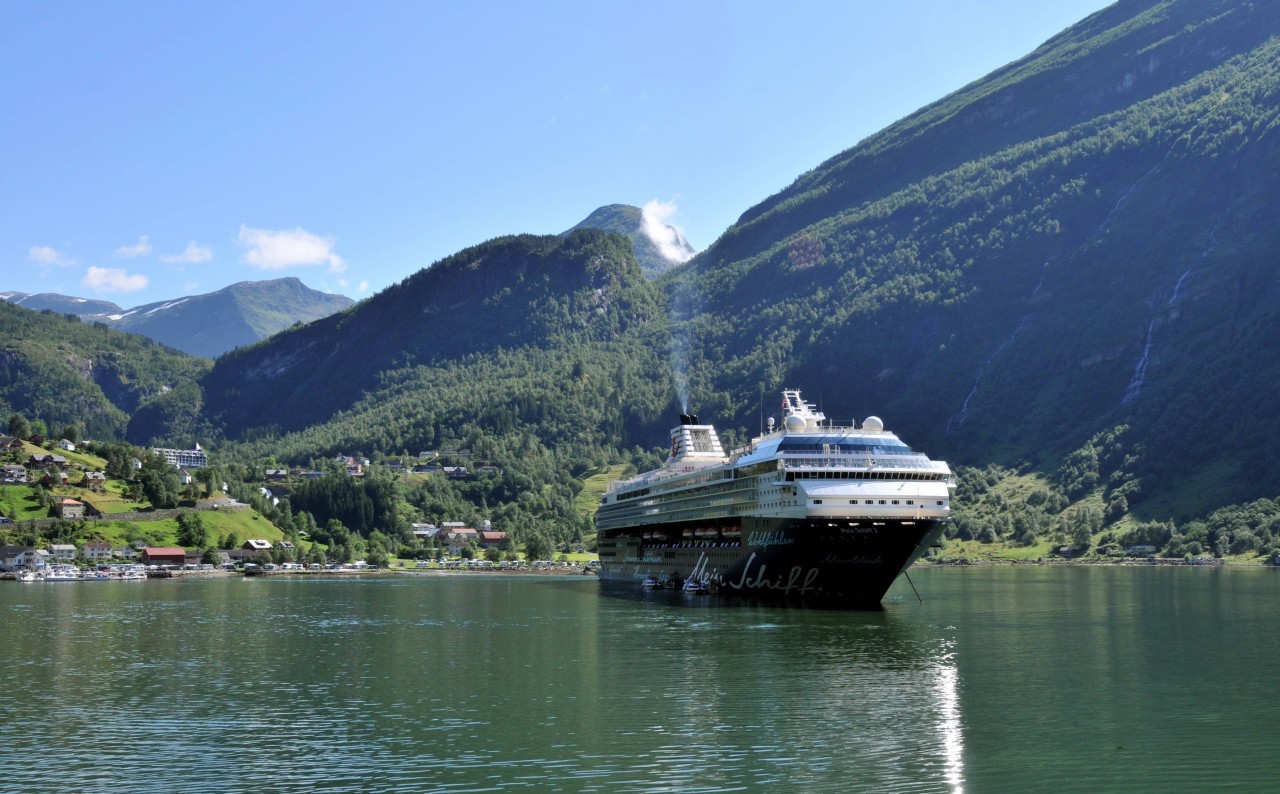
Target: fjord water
[1002,679]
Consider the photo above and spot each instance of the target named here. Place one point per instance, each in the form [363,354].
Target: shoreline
[1212,562]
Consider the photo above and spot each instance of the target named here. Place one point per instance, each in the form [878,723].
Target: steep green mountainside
[204,325]
[58,369]
[628,221]
[513,293]
[1082,241]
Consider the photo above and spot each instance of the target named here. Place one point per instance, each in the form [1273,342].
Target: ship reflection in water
[948,702]
[751,696]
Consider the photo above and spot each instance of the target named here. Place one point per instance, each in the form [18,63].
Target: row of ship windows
[863,475]
[873,501]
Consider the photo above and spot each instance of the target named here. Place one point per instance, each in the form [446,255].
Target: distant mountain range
[203,325]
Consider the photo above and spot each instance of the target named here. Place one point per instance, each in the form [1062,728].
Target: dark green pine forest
[1063,278]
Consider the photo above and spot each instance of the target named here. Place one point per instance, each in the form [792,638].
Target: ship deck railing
[802,461]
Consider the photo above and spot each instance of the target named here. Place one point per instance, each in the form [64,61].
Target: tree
[19,426]
[191,531]
[538,547]
[1080,537]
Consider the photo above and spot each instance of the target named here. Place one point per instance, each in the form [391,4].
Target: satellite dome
[794,424]
[873,424]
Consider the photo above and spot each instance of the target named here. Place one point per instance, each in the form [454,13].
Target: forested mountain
[629,222]
[55,368]
[1081,243]
[1069,268]
[209,324]
[522,293]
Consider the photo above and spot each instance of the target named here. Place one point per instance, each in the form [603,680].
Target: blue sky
[153,150]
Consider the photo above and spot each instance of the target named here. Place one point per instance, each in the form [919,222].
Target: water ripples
[471,686]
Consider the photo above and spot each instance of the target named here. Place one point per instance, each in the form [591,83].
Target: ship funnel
[689,419]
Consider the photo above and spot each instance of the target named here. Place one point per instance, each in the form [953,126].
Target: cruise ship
[812,511]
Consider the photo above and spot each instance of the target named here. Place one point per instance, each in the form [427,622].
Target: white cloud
[193,254]
[363,287]
[277,249]
[47,255]
[668,238]
[112,279]
[134,251]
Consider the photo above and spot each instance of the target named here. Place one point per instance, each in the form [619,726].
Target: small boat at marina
[694,585]
[62,573]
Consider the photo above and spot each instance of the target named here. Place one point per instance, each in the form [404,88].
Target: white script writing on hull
[797,581]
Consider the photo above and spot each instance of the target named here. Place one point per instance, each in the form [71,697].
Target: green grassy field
[19,502]
[588,499]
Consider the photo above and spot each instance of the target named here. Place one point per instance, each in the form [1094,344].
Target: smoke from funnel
[686,302]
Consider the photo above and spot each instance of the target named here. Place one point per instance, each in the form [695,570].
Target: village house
[10,442]
[424,532]
[277,474]
[41,460]
[458,538]
[66,445]
[71,509]
[63,552]
[251,549]
[491,539]
[13,473]
[94,480]
[13,558]
[163,555]
[355,467]
[96,551]
[125,552]
[184,477]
